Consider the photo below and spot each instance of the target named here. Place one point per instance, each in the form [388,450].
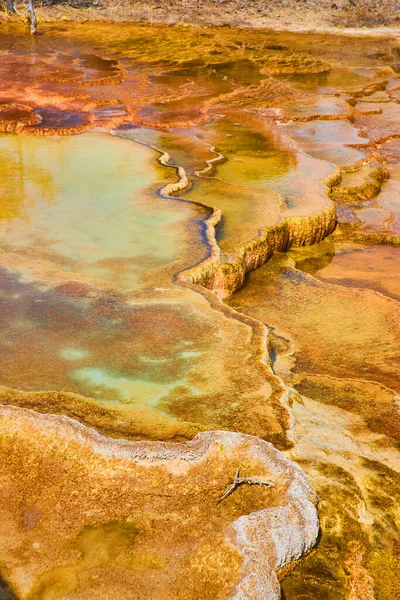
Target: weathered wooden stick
[238,481]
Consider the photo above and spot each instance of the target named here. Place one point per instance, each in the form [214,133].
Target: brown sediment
[349,266]
[375,402]
[157,526]
[259,96]
[321,352]
[369,90]
[317,117]
[50,91]
[355,473]
[377,221]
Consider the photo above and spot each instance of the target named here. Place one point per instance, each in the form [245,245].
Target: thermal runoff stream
[200,319]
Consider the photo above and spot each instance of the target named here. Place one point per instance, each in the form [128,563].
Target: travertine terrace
[101,515]
[199,274]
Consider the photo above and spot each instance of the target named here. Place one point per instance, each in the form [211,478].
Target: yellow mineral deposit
[207,267]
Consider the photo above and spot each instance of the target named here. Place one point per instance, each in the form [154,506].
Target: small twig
[238,481]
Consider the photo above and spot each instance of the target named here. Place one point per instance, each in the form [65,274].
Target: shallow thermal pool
[198,231]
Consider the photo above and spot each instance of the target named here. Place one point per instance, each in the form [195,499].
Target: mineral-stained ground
[199,274]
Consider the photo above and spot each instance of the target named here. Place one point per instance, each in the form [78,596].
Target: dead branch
[238,481]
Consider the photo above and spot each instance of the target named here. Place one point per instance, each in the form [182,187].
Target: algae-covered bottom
[111,313]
